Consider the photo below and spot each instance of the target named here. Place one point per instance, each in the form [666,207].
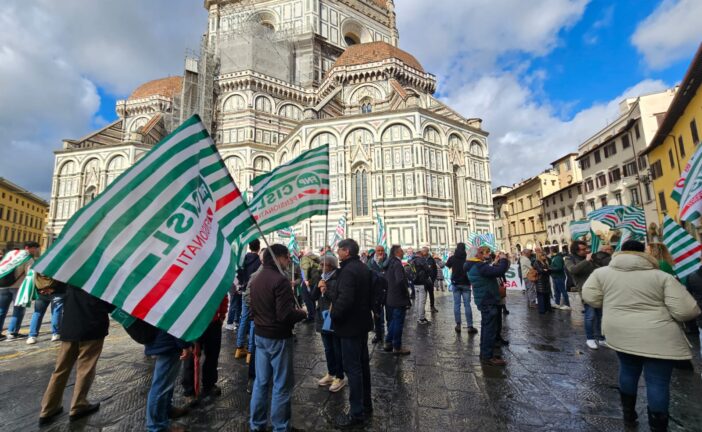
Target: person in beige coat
[643,308]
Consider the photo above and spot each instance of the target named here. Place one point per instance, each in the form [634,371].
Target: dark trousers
[357,367]
[498,332]
[396,321]
[544,299]
[429,286]
[210,343]
[332,352]
[657,374]
[488,330]
[234,313]
[309,303]
[379,320]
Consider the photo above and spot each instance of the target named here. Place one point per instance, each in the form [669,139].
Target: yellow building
[22,216]
[677,138]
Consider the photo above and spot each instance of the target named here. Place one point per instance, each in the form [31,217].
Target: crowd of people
[632,297]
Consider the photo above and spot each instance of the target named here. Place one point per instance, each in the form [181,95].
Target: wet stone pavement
[552,382]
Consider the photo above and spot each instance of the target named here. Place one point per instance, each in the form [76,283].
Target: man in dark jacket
[396,302]
[83,330]
[423,282]
[559,279]
[461,288]
[169,352]
[378,264]
[274,314]
[251,263]
[486,292]
[351,320]
[580,266]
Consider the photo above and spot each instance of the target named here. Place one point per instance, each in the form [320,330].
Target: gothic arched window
[67,179]
[323,138]
[234,103]
[458,195]
[235,166]
[291,111]
[261,165]
[360,196]
[115,167]
[263,104]
[397,133]
[366,105]
[476,149]
[431,135]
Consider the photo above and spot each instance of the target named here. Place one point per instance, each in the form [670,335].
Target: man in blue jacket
[486,293]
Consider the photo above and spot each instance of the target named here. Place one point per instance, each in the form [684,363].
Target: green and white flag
[339,232]
[684,249]
[157,243]
[26,293]
[595,242]
[382,234]
[11,260]
[692,165]
[690,190]
[291,193]
[294,248]
[626,235]
[579,229]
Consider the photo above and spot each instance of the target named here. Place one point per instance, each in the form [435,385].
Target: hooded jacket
[642,307]
[456,263]
[251,263]
[483,277]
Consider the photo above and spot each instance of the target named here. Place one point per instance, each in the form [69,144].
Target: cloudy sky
[543,74]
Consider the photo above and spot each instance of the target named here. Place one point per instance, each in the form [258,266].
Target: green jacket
[557,266]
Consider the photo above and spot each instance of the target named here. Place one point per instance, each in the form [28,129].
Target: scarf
[328,275]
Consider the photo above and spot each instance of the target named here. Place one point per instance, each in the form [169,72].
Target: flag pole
[277,264]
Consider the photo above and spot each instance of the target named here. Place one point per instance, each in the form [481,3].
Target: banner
[11,260]
[682,246]
[693,166]
[691,193]
[157,243]
[512,281]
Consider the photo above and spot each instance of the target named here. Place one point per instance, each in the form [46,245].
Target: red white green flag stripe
[608,215]
[691,193]
[579,229]
[682,246]
[693,165]
[157,242]
[11,260]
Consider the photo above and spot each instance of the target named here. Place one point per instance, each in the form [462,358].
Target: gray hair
[331,260]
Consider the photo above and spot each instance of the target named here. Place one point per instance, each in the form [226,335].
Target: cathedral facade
[275,78]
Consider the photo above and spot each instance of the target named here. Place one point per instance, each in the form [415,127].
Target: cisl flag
[157,243]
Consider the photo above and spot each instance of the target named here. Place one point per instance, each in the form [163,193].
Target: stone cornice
[249,79]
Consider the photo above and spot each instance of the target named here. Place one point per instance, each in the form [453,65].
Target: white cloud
[670,33]
[54,55]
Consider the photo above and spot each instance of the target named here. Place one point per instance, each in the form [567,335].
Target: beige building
[275,78]
[22,216]
[499,204]
[615,172]
[523,213]
[561,208]
[568,169]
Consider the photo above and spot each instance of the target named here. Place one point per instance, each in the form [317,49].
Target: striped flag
[286,233]
[294,249]
[682,246]
[625,236]
[477,240]
[11,260]
[579,229]
[382,234]
[608,215]
[595,242]
[157,243]
[691,193]
[339,233]
[693,165]
[290,193]
[446,270]
[633,220]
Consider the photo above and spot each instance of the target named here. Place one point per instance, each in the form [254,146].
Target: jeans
[274,365]
[396,321]
[488,330]
[40,305]
[657,374]
[6,297]
[332,352]
[544,302]
[160,398]
[234,313]
[593,323]
[244,324]
[210,343]
[421,302]
[560,291]
[462,291]
[357,368]
[379,320]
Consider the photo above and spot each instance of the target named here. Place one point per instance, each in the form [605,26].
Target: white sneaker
[55,338]
[592,344]
[326,380]
[31,340]
[603,343]
[565,308]
[229,327]
[10,336]
[337,385]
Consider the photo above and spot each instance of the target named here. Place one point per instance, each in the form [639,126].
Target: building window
[610,149]
[601,181]
[570,193]
[642,163]
[681,146]
[647,189]
[615,175]
[630,169]
[661,201]
[585,162]
[637,131]
[656,169]
[360,192]
[592,204]
[598,159]
[670,157]
[635,198]
[603,200]
[562,212]
[618,197]
[693,131]
[589,185]
[625,141]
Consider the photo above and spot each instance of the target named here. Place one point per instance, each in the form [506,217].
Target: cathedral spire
[395,41]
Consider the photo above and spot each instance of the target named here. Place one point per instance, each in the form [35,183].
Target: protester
[409,256]
[251,263]
[274,315]
[169,352]
[461,288]
[559,279]
[665,261]
[9,286]
[439,282]
[433,274]
[309,264]
[84,327]
[525,264]
[424,284]
[543,283]
[378,264]
[209,344]
[351,320]
[322,294]
[397,302]
[234,312]
[643,309]
[49,292]
[579,265]
[246,298]
[486,293]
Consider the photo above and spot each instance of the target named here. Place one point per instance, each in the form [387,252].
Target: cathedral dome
[165,87]
[374,52]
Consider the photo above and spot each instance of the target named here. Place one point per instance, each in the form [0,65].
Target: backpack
[421,273]
[379,288]
[410,272]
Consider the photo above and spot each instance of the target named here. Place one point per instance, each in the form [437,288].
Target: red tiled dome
[166,87]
